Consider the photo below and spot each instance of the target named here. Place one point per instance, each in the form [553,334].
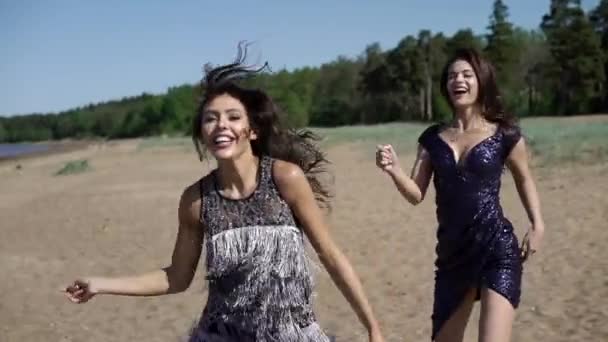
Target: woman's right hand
[81,290]
[386,159]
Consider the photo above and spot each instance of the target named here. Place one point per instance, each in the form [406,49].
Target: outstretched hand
[80,291]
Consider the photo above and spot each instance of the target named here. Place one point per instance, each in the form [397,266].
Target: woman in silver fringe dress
[252,213]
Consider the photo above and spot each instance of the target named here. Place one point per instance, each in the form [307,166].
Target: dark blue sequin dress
[476,245]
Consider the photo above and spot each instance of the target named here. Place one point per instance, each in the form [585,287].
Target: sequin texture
[260,284]
[476,245]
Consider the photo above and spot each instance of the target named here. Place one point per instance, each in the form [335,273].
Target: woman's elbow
[415,202]
[522,180]
[177,283]
[415,199]
[178,287]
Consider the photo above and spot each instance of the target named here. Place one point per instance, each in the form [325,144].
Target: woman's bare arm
[172,279]
[296,190]
[414,187]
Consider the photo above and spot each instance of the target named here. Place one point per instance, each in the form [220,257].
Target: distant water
[15,150]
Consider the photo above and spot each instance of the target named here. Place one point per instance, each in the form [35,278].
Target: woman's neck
[469,118]
[239,177]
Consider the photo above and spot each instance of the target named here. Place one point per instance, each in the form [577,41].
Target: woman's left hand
[532,241]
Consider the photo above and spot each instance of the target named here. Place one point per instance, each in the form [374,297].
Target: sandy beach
[120,217]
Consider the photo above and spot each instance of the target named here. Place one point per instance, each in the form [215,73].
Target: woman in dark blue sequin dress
[478,254]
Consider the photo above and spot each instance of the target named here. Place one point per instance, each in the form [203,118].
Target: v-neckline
[461,161]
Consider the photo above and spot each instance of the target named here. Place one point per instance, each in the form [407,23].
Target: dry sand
[120,217]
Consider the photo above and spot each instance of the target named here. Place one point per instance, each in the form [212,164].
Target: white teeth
[222,139]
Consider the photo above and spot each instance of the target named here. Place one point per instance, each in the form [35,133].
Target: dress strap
[266,180]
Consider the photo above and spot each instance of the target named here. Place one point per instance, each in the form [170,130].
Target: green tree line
[561,68]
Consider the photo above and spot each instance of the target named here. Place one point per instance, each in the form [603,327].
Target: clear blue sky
[59,54]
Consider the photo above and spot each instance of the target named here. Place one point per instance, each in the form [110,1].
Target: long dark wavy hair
[489,97]
[274,138]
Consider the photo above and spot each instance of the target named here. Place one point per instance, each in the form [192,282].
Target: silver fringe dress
[260,284]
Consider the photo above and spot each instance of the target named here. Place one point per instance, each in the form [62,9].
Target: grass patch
[551,140]
[74,167]
[394,133]
[556,141]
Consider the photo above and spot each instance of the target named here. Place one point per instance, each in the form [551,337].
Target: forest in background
[559,69]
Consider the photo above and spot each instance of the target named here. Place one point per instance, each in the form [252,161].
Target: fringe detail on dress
[260,283]
[280,247]
[311,333]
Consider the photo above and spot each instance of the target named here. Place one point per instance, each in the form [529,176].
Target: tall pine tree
[501,49]
[464,38]
[599,18]
[578,71]
[426,92]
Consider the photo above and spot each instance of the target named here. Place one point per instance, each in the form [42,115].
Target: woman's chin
[462,104]
[223,154]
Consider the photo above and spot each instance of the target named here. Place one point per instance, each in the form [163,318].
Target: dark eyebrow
[215,112]
[211,112]
[462,71]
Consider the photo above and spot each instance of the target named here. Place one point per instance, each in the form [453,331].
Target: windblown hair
[274,138]
[489,97]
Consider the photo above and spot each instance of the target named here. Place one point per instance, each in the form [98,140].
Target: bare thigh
[453,329]
[496,318]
